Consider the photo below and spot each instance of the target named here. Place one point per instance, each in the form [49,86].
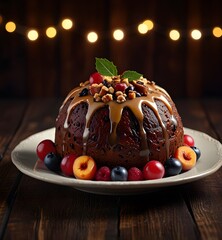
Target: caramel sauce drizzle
[115,112]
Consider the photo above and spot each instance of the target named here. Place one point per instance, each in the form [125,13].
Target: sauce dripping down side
[154,92]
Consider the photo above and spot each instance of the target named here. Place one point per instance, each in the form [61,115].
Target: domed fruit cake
[118,120]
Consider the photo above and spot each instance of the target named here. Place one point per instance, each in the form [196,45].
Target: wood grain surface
[32,209]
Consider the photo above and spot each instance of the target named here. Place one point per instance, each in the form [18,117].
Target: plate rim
[126,187]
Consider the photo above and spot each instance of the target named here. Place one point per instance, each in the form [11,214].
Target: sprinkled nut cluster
[117,89]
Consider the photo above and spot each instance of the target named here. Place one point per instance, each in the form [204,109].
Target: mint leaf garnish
[105,67]
[131,75]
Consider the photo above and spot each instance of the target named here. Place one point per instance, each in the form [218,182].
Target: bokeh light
[118,34]
[92,37]
[217,32]
[174,35]
[10,27]
[51,32]
[67,24]
[196,34]
[32,35]
[149,24]
[142,28]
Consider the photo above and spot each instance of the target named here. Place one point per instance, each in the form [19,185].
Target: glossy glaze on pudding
[145,125]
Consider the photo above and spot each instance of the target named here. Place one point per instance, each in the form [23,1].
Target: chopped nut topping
[116,89]
[97,98]
[95,88]
[116,81]
[121,99]
[118,93]
[103,91]
[111,90]
[107,98]
[108,79]
[125,81]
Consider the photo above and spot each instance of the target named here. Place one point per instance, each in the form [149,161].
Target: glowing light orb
[217,32]
[118,34]
[67,24]
[32,35]
[92,37]
[10,27]
[174,35]
[51,32]
[149,24]
[142,28]
[196,34]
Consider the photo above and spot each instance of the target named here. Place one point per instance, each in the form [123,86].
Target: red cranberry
[44,147]
[120,87]
[95,78]
[66,164]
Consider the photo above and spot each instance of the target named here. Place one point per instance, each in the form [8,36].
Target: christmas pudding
[118,120]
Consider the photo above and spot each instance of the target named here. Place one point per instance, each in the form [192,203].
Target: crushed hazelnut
[111,90]
[97,98]
[117,80]
[108,79]
[107,98]
[118,93]
[126,81]
[121,99]
[106,90]
[95,88]
[103,91]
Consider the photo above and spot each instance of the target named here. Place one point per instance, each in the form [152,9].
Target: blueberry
[172,167]
[131,87]
[119,174]
[138,94]
[84,92]
[105,83]
[52,162]
[197,151]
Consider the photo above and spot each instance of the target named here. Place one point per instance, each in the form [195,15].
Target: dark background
[51,67]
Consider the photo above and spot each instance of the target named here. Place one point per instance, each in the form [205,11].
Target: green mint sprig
[107,68]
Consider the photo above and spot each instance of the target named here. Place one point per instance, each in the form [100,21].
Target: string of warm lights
[118,34]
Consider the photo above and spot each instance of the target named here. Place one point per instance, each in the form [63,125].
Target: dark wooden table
[33,209]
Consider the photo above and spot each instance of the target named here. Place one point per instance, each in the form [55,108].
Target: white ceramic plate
[25,159]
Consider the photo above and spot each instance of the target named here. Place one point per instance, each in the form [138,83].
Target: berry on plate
[197,151]
[44,147]
[135,174]
[188,140]
[52,162]
[172,167]
[153,170]
[186,156]
[119,174]
[66,164]
[84,167]
[103,174]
